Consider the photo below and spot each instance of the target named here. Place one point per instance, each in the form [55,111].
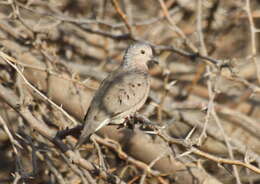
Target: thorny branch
[204,94]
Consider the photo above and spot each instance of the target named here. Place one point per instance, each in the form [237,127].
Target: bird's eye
[142,52]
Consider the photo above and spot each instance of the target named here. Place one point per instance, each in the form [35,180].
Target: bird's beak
[153,61]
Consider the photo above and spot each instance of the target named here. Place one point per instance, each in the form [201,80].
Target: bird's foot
[129,122]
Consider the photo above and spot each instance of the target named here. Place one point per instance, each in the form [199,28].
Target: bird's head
[139,55]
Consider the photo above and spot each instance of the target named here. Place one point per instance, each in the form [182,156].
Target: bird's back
[122,93]
[119,95]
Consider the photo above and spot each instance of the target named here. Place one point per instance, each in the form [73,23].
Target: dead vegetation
[199,125]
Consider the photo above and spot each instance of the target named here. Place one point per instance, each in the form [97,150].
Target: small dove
[122,93]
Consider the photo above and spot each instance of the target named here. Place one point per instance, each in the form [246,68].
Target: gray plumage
[122,93]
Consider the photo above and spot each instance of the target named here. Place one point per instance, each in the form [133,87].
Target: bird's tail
[84,136]
[82,139]
[90,128]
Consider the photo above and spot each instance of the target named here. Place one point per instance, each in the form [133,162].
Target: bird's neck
[138,66]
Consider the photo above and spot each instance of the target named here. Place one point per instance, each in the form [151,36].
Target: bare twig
[122,15]
[116,147]
[209,156]
[10,61]
[10,136]
[176,28]
[253,38]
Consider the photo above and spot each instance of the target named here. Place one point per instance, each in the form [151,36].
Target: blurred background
[204,91]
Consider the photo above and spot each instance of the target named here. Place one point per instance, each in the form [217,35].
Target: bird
[121,93]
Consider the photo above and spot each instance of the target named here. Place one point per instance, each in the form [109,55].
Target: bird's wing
[126,93]
[120,94]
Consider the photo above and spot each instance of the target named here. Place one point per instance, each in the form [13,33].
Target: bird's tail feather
[83,138]
[90,128]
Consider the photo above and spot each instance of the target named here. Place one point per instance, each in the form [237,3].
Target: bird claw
[129,122]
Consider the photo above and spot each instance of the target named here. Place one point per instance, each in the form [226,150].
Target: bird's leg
[130,121]
[124,124]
